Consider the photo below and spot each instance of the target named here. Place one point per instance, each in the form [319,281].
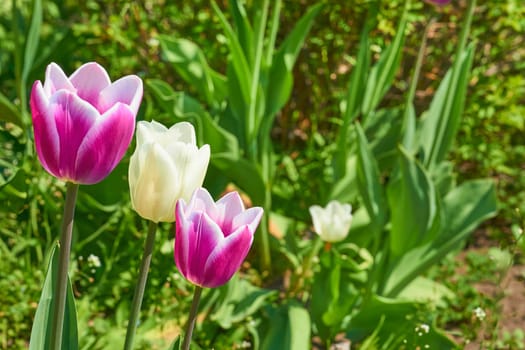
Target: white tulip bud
[332,223]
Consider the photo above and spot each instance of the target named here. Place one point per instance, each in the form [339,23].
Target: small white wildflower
[425,327]
[93,261]
[427,346]
[479,313]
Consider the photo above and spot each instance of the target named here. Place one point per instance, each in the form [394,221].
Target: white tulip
[332,223]
[167,165]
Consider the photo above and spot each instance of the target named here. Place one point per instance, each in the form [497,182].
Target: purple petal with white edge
[229,206]
[227,258]
[251,217]
[105,144]
[56,80]
[207,236]
[46,136]
[195,239]
[89,80]
[127,90]
[201,200]
[73,118]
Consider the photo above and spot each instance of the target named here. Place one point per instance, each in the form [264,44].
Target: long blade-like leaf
[369,181]
[413,204]
[237,56]
[33,37]
[441,122]
[42,329]
[280,78]
[382,74]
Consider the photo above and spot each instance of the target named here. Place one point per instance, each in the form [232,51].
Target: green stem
[193,316]
[141,285]
[63,266]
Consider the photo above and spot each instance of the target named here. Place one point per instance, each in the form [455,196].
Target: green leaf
[383,72]
[33,37]
[280,78]
[237,56]
[413,205]
[464,208]
[243,29]
[9,112]
[244,173]
[42,324]
[240,300]
[369,182]
[440,123]
[289,328]
[184,107]
[189,61]
[399,326]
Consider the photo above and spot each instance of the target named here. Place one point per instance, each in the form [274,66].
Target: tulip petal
[229,206]
[155,186]
[127,90]
[149,132]
[46,136]
[56,80]
[195,240]
[227,258]
[251,217]
[105,144]
[201,201]
[193,175]
[317,213]
[183,132]
[89,80]
[73,118]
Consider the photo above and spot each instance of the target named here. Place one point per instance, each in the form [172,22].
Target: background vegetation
[123,37]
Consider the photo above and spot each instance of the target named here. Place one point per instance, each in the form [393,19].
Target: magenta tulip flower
[213,239]
[83,124]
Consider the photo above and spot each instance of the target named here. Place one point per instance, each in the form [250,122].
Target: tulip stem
[63,265]
[193,316]
[141,285]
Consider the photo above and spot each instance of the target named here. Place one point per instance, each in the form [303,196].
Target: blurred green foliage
[123,37]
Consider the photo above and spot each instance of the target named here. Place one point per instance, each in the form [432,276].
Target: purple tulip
[213,239]
[83,124]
